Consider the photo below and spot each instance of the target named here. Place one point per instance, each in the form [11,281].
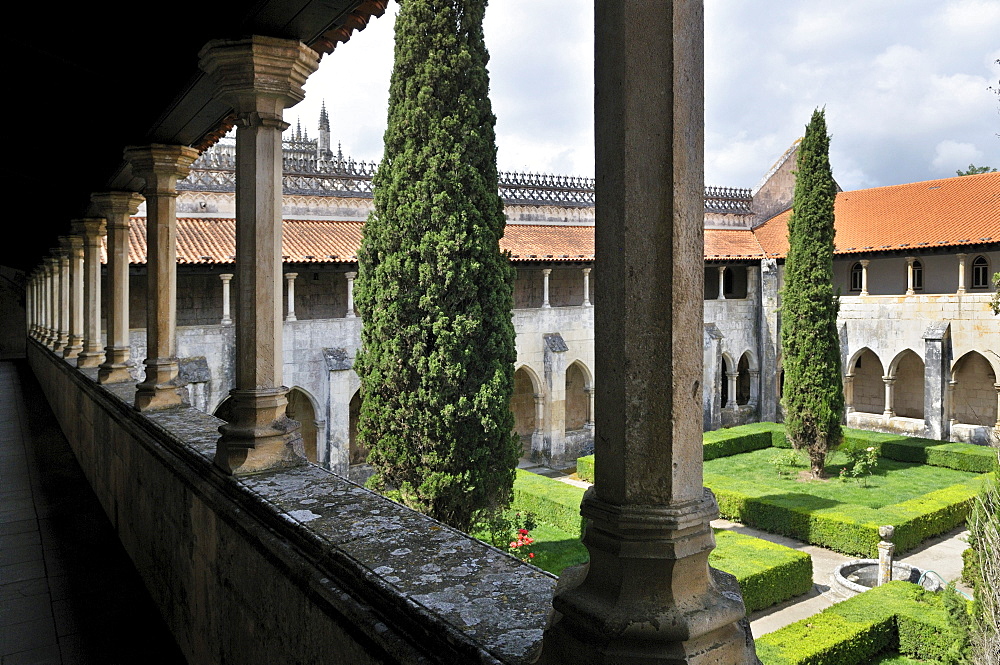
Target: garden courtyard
[783,533]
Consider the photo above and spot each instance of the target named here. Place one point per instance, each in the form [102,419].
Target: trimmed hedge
[898,615]
[846,528]
[958,456]
[585,468]
[551,501]
[742,439]
[768,573]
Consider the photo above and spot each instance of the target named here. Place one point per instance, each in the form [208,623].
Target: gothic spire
[324,119]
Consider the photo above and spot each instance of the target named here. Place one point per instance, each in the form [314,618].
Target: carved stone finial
[885,532]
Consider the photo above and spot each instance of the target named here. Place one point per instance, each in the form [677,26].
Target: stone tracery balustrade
[306,174]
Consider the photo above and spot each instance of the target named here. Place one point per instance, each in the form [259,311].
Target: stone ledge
[400,585]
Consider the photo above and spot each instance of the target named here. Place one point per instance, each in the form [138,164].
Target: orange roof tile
[328,241]
[731,244]
[955,211]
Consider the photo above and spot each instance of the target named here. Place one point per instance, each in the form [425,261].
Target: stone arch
[868,388]
[578,386]
[974,397]
[358,453]
[303,407]
[743,388]
[222,411]
[907,368]
[522,403]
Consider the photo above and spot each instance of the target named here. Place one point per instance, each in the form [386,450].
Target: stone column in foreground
[74,250]
[648,595]
[161,166]
[259,77]
[117,208]
[92,230]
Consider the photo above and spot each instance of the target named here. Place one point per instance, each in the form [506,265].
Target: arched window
[918,276]
[980,273]
[856,274]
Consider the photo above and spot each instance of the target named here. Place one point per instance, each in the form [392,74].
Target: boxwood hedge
[898,615]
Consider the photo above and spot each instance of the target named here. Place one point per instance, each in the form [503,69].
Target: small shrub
[786,461]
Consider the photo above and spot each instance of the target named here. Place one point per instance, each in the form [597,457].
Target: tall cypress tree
[434,290]
[813,390]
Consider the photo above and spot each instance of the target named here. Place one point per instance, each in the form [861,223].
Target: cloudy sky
[905,84]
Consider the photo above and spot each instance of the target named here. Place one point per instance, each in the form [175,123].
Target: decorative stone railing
[215,171]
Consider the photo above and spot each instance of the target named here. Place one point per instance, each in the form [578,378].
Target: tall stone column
[30,301]
[538,436]
[937,368]
[754,387]
[259,77]
[996,386]
[961,273]
[864,276]
[47,335]
[92,230]
[290,280]
[350,294]
[545,287]
[731,378]
[63,296]
[586,287]
[226,319]
[161,166]
[909,275]
[74,249]
[889,382]
[117,208]
[590,408]
[648,594]
[722,283]
[848,393]
[53,295]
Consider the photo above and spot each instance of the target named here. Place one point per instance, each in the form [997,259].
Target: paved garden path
[942,554]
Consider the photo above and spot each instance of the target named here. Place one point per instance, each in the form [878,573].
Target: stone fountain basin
[861,575]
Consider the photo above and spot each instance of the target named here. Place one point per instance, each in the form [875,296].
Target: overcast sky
[904,82]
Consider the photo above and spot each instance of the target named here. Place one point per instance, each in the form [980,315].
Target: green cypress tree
[434,291]
[813,390]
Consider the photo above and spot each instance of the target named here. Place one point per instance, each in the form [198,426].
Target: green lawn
[893,482]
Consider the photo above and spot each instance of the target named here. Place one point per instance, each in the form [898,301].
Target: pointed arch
[743,378]
[522,403]
[303,407]
[973,397]
[868,388]
[358,453]
[578,386]
[907,368]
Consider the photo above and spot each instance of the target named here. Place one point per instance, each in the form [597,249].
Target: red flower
[523,532]
[531,556]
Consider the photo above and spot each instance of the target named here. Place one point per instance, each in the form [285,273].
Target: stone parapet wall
[291,566]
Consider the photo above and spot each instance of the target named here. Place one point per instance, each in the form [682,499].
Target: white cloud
[949,156]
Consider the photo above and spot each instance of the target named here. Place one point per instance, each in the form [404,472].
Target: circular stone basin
[862,574]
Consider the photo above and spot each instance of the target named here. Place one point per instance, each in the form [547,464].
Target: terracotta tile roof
[935,213]
[328,241]
[731,244]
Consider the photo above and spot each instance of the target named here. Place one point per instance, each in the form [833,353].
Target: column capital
[586,271]
[546,271]
[351,275]
[62,251]
[72,244]
[117,207]
[161,166]
[864,262]
[910,260]
[291,275]
[226,276]
[889,380]
[258,74]
[91,229]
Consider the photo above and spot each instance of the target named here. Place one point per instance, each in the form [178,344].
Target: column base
[73,348]
[115,367]
[162,387]
[260,436]
[648,595]
[90,359]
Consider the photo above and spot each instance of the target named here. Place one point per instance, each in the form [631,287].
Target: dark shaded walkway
[68,592]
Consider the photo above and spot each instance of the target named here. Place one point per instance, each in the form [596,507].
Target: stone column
[648,594]
[864,276]
[996,386]
[259,77]
[937,368]
[226,319]
[43,301]
[888,381]
[92,230]
[117,208]
[754,387]
[731,377]
[961,273]
[590,408]
[586,287]
[290,279]
[909,275]
[74,251]
[545,287]
[62,296]
[538,436]
[848,393]
[161,166]
[52,302]
[350,294]
[950,406]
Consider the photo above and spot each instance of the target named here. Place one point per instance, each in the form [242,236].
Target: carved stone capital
[161,166]
[117,207]
[91,229]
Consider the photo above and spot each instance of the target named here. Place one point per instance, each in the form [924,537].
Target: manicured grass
[893,482]
[895,658]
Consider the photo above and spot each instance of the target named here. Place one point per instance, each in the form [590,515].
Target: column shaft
[722,283]
[74,249]
[290,281]
[350,294]
[92,230]
[889,381]
[586,287]
[226,319]
[864,276]
[545,288]
[63,297]
[648,595]
[961,273]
